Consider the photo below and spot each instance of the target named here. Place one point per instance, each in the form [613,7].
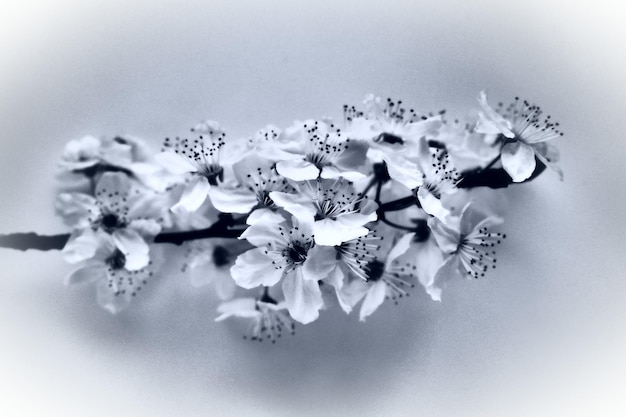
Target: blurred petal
[490,121]
[193,196]
[75,208]
[448,271]
[239,307]
[302,297]
[232,200]
[262,233]
[447,238]
[133,247]
[400,247]
[428,259]
[88,273]
[331,172]
[353,156]
[374,298]
[224,286]
[351,293]
[175,163]
[118,154]
[553,156]
[113,183]
[108,300]
[145,227]
[80,246]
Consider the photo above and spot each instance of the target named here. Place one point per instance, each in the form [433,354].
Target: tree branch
[225,227]
[493,177]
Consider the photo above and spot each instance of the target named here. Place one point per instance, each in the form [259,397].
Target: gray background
[543,335]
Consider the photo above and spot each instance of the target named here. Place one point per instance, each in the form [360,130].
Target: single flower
[338,213]
[389,123]
[208,263]
[198,159]
[439,177]
[116,285]
[115,214]
[467,244]
[268,317]
[286,251]
[385,278]
[524,131]
[256,179]
[320,150]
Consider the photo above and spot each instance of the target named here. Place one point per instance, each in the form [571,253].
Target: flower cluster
[288,221]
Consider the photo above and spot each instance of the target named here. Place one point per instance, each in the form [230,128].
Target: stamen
[203,152]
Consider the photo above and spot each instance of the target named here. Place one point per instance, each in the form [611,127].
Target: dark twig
[225,227]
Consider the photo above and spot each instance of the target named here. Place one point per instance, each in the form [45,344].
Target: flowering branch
[288,212]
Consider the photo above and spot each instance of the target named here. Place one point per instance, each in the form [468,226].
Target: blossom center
[212,173]
[117,260]
[296,252]
[374,270]
[110,222]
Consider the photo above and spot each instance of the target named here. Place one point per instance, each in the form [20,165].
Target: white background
[541,336]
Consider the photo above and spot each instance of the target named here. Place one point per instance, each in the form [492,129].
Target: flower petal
[193,196]
[175,163]
[239,307]
[319,263]
[331,172]
[374,298]
[431,204]
[548,154]
[490,121]
[401,246]
[302,297]
[254,268]
[264,231]
[402,170]
[113,183]
[264,215]
[118,154]
[145,227]
[428,259]
[351,293]
[75,208]
[88,273]
[232,200]
[448,271]
[297,170]
[518,160]
[224,286]
[80,246]
[288,200]
[134,248]
[330,232]
[448,238]
[108,300]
